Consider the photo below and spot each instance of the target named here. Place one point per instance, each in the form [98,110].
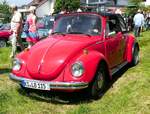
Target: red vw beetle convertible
[83,52]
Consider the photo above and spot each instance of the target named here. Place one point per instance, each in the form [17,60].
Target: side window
[122,24]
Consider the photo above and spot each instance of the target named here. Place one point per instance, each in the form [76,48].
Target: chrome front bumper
[54,85]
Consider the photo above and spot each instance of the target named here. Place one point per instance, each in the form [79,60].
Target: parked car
[4,34]
[84,51]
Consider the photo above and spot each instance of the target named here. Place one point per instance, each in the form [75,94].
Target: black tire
[2,43]
[99,83]
[136,57]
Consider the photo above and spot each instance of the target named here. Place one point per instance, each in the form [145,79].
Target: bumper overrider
[54,85]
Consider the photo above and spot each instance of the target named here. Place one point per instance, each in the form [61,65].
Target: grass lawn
[129,92]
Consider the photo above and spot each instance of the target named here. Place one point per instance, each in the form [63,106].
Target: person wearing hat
[16,29]
[32,30]
[138,23]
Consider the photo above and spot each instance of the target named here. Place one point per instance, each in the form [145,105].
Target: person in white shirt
[138,23]
[16,29]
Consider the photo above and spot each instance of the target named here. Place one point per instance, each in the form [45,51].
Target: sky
[18,2]
[23,2]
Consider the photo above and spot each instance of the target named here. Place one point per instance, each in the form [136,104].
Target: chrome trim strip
[99,42]
[116,69]
[54,85]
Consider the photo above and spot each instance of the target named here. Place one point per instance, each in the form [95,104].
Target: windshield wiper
[58,33]
[79,33]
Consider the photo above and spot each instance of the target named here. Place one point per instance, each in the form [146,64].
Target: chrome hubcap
[100,80]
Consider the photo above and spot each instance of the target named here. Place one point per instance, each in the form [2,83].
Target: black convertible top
[107,14]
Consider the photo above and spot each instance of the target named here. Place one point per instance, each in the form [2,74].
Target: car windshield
[78,24]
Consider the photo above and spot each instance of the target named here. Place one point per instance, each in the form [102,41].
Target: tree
[145,8]
[5,12]
[134,5]
[69,5]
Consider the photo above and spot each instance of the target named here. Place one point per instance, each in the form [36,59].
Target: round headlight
[17,64]
[77,69]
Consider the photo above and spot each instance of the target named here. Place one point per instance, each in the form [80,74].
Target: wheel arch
[4,38]
[103,62]
[131,43]
[92,88]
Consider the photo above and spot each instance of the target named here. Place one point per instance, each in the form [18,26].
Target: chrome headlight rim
[17,63]
[80,71]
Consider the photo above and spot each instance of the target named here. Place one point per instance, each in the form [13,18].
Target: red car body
[4,34]
[51,60]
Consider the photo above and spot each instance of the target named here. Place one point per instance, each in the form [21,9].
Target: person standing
[16,29]
[32,37]
[138,23]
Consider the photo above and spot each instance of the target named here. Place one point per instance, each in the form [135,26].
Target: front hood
[49,57]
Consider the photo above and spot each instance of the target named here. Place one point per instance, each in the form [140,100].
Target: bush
[135,5]
[69,5]
[5,13]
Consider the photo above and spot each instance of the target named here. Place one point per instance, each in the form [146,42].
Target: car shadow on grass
[67,98]
[4,70]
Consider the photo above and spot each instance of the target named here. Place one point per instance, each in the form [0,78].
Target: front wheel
[2,43]
[98,85]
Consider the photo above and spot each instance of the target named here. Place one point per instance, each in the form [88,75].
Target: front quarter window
[79,24]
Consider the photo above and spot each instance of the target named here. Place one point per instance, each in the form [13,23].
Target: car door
[113,41]
[122,39]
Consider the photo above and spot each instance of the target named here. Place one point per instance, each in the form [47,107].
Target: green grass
[129,94]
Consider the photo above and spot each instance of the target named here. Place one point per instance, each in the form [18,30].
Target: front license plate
[35,85]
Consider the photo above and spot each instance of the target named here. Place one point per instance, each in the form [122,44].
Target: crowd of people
[16,29]
[139,22]
[136,22]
